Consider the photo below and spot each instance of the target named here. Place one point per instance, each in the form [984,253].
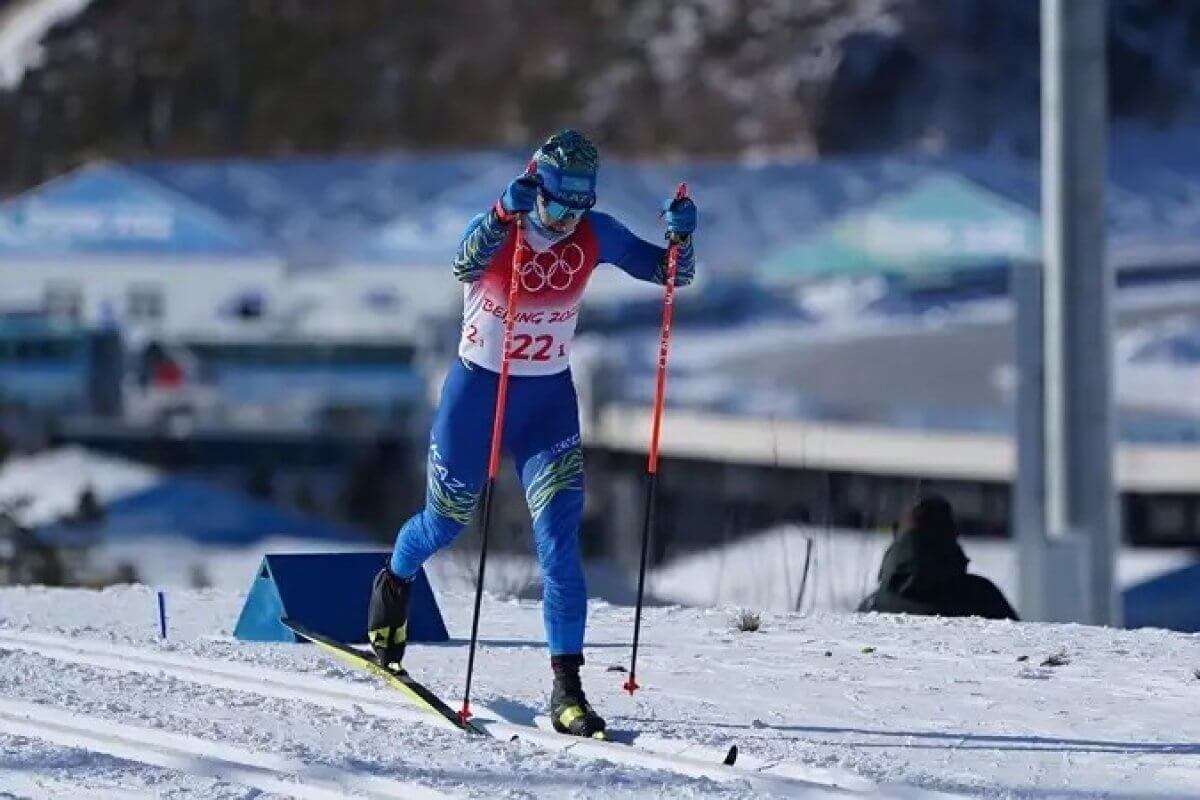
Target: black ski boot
[570,711]
[387,618]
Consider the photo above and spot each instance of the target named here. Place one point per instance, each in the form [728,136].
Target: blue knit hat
[567,164]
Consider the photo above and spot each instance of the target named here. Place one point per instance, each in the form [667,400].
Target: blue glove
[681,217]
[521,195]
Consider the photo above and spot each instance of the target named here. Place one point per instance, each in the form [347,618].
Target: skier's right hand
[521,195]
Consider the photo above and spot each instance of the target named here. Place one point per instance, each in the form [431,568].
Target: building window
[144,303]
[1168,519]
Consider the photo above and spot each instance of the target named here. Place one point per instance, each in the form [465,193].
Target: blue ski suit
[541,424]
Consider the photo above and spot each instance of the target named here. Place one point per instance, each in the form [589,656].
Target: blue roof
[1169,601]
[428,232]
[412,207]
[744,209]
[107,209]
[311,208]
[201,513]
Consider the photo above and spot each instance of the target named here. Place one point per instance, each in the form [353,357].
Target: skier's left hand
[681,215]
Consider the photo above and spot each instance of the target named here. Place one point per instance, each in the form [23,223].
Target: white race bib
[550,290]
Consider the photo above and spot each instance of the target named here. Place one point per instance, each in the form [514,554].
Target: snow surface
[93,704]
[1157,365]
[767,570]
[52,481]
[21,33]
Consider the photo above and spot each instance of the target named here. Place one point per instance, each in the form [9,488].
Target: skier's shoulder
[476,221]
[605,224]
[612,237]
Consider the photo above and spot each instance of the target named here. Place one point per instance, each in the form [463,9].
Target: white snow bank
[21,32]
[966,706]
[766,571]
[53,480]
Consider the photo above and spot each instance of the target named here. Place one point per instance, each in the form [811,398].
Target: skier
[564,241]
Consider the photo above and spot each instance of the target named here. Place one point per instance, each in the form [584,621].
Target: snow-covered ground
[93,704]
[794,369]
[21,30]
[788,568]
[50,482]
[1157,365]
[768,570]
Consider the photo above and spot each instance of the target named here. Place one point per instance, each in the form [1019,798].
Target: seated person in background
[925,570]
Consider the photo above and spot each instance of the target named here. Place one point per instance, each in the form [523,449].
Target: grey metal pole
[1078,320]
[1028,518]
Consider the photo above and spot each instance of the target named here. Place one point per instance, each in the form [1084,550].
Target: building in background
[103,245]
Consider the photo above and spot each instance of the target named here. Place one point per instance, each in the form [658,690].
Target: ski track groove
[195,756]
[677,756]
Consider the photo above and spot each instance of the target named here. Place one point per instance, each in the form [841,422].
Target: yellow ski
[400,681]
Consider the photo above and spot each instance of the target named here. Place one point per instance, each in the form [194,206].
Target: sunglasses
[559,211]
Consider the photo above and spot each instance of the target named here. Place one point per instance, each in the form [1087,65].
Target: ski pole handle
[681,193]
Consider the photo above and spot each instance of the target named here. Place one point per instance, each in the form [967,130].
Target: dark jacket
[925,572]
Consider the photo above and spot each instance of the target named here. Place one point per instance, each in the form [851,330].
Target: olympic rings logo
[548,269]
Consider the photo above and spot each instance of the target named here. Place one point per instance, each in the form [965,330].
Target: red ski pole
[510,317]
[660,390]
